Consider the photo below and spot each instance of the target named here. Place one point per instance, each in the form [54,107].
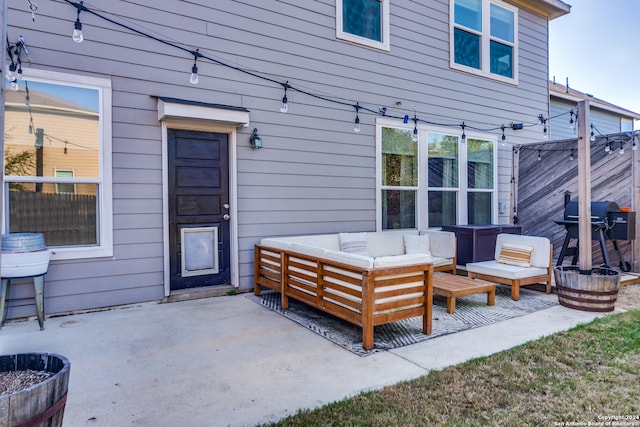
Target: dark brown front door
[199,236]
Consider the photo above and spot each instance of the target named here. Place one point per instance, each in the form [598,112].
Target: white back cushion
[354,243]
[414,244]
[541,247]
[385,243]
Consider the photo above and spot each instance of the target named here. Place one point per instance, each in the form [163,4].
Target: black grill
[608,222]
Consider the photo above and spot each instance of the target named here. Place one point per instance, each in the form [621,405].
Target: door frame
[203,126]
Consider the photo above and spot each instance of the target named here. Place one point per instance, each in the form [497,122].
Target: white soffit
[173,108]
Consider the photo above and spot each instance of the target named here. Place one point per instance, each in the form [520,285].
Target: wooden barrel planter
[596,292]
[41,404]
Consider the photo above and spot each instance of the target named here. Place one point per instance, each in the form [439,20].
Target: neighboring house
[606,118]
[180,195]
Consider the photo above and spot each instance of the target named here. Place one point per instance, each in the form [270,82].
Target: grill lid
[599,210]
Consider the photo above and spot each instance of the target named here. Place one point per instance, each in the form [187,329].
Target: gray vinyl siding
[314,174]
[606,122]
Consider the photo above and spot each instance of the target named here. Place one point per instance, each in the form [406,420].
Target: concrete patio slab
[227,361]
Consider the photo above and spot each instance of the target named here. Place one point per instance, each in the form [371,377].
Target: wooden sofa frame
[516,283]
[364,297]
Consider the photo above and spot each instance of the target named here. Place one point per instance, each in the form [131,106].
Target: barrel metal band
[581,291]
[45,415]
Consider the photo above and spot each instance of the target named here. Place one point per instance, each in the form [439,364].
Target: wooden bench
[452,286]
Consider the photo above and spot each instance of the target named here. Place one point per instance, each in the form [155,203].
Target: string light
[356,129]
[543,122]
[193,79]
[572,124]
[593,136]
[77,35]
[503,137]
[33,6]
[10,74]
[609,141]
[285,102]
[13,72]
[284,108]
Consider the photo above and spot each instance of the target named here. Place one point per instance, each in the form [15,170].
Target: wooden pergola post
[3,63]
[584,189]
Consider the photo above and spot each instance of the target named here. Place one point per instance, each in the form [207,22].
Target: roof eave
[552,9]
[559,91]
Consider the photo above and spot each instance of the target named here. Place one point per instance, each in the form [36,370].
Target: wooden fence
[546,171]
[65,219]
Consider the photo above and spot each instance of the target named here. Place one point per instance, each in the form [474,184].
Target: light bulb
[77,32]
[194,75]
[11,72]
[285,105]
[634,147]
[357,126]
[607,148]
[593,137]
[414,138]
[621,150]
[14,85]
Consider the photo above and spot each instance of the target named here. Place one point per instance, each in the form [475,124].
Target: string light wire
[199,55]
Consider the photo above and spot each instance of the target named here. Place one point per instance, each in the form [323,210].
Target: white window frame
[626,124]
[422,199]
[485,42]
[383,45]
[61,180]
[103,183]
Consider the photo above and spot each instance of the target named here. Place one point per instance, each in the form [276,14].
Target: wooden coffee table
[453,286]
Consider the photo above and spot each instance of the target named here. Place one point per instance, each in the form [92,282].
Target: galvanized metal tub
[24,255]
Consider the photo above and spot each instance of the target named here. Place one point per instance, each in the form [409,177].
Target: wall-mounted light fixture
[255,140]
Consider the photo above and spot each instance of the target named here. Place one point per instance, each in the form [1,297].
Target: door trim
[204,126]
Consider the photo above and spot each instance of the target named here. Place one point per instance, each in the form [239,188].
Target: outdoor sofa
[367,279]
[518,261]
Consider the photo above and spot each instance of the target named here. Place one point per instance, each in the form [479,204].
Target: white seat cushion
[401,260]
[438,261]
[274,242]
[357,260]
[312,251]
[511,272]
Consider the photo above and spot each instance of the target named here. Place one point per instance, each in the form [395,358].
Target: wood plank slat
[397,304]
[382,319]
[343,301]
[387,293]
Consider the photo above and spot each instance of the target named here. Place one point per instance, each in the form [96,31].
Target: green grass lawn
[583,375]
